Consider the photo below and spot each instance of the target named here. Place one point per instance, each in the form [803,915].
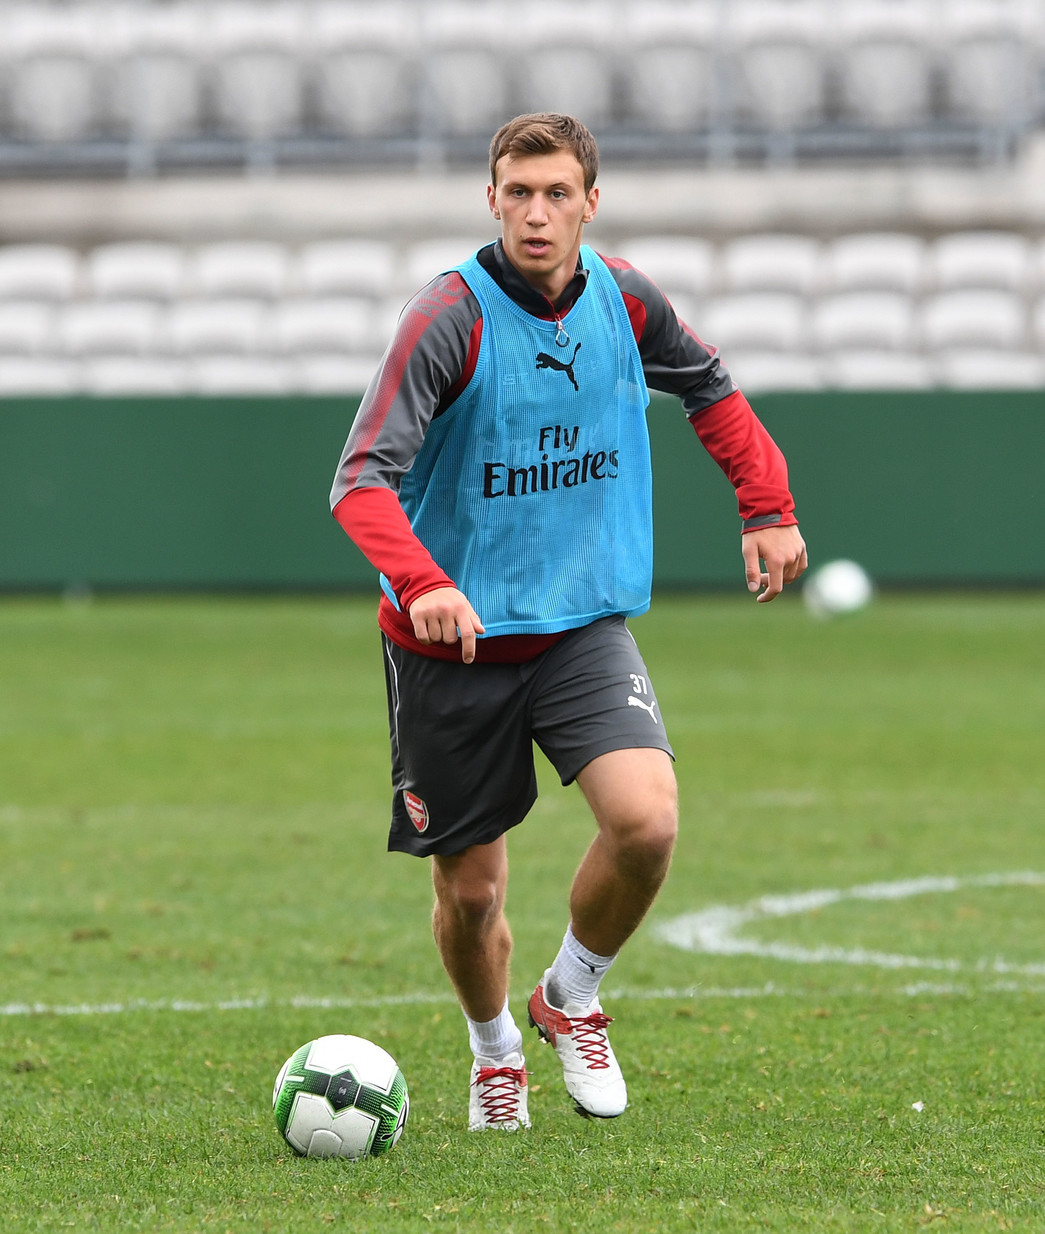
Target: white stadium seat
[333,374]
[1038,323]
[29,376]
[134,375]
[239,268]
[990,370]
[981,259]
[157,84]
[975,319]
[672,49]
[771,263]
[364,61]
[778,54]
[53,84]
[761,372]
[864,319]
[885,57]
[564,57]
[425,259]
[142,269]
[38,272]
[26,328]
[864,261]
[989,61]
[345,268]
[108,328]
[239,375]
[218,327]
[468,87]
[674,263]
[327,324]
[769,321]
[257,54]
[862,369]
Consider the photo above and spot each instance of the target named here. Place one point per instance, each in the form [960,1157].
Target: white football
[836,588]
[340,1096]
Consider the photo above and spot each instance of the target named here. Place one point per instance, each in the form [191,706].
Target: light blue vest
[533,491]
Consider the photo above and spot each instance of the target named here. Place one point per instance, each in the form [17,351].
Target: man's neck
[495,262]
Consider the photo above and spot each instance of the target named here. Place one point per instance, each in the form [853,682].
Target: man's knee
[646,827]
[470,889]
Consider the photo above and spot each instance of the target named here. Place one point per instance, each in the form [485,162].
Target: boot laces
[589,1035]
[499,1092]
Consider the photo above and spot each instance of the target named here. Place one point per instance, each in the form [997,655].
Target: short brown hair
[545,132]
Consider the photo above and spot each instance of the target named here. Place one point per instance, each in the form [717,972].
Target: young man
[498,476]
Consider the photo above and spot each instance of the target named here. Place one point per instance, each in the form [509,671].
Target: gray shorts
[462,734]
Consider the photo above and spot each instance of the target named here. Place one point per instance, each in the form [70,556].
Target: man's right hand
[443,615]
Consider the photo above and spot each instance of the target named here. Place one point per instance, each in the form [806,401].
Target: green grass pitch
[193,882]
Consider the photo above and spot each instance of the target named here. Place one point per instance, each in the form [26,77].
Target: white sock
[575,973]
[494,1039]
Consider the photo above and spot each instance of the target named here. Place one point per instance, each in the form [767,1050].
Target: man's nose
[538,211]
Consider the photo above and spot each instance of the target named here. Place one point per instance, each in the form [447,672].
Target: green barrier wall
[932,488]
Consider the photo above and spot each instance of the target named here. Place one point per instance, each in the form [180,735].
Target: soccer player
[498,476]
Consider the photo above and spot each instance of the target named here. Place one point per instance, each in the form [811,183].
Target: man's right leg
[475,944]
[470,928]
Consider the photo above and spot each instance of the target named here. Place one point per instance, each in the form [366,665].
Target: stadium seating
[256,55]
[756,321]
[249,83]
[138,270]
[364,60]
[885,60]
[973,318]
[26,328]
[991,54]
[38,272]
[871,320]
[239,268]
[879,261]
[771,263]
[779,77]
[864,310]
[158,74]
[345,267]
[672,53]
[980,259]
[52,68]
[862,369]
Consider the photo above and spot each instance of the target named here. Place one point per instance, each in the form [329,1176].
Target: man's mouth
[535,246]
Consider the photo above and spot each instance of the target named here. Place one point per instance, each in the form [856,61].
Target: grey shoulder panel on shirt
[675,359]
[424,361]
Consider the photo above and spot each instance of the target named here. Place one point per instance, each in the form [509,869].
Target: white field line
[712,931]
[919,989]
[718,930]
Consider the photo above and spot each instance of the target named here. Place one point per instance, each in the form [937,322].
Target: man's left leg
[633,795]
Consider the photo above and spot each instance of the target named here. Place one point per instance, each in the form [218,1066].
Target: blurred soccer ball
[340,1096]
[836,588]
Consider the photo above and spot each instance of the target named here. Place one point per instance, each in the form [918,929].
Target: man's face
[542,207]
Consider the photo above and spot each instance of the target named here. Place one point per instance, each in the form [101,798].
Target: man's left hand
[783,553]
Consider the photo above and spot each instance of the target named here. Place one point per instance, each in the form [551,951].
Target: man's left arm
[677,361]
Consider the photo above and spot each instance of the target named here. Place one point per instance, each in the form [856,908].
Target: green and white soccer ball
[340,1096]
[837,588]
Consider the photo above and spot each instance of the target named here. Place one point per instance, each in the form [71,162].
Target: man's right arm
[426,366]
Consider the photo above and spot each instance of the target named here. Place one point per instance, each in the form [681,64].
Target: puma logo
[546,361]
[637,702]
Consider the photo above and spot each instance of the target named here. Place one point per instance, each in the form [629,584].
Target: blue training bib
[533,491]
